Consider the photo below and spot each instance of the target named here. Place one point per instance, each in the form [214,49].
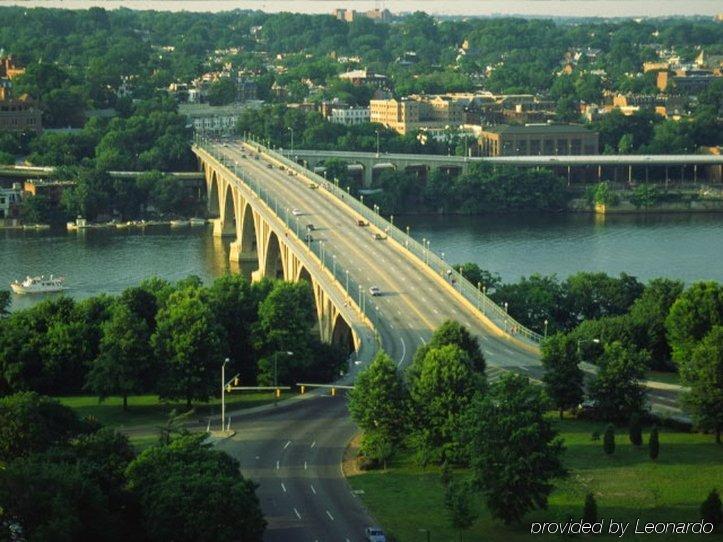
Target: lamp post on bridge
[546,322]
[377,132]
[292,139]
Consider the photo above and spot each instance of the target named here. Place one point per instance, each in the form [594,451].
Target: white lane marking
[287,445]
[313,444]
[297,513]
[404,352]
[422,339]
[277,465]
[312,489]
[283,487]
[330,516]
[304,465]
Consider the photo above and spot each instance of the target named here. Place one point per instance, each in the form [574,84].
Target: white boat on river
[39,285]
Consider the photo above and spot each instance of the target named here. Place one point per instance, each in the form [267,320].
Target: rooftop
[537,129]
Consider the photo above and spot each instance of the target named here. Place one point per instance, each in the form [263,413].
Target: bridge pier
[223,228]
[236,253]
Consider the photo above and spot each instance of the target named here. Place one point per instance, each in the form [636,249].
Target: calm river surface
[688,247]
[544,8]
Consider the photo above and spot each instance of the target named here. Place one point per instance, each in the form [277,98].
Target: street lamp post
[333,264]
[546,322]
[347,281]
[223,392]
[292,139]
[377,132]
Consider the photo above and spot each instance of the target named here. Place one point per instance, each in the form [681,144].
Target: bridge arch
[342,336]
[213,197]
[247,230]
[273,266]
[305,275]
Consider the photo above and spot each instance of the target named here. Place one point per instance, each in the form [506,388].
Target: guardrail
[355,291]
[479,299]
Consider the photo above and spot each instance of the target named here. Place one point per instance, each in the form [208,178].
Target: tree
[515,452]
[126,364]
[454,333]
[589,511]
[476,275]
[377,404]
[285,319]
[703,374]
[188,345]
[635,430]
[616,389]
[235,309]
[647,317]
[563,377]
[654,444]
[54,501]
[32,423]
[710,510]
[440,394]
[533,300]
[609,439]
[692,316]
[5,301]
[460,508]
[190,492]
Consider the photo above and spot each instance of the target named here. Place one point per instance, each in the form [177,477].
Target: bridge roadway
[294,452]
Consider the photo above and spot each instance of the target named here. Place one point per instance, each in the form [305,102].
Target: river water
[537,8]
[684,246]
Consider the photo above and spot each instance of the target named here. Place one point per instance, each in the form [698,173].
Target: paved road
[295,453]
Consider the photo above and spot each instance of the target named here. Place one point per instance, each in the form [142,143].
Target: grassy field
[627,486]
[146,413]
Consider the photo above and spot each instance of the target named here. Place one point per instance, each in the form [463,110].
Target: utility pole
[223,393]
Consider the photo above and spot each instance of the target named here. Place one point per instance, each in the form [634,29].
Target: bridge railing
[356,292]
[498,315]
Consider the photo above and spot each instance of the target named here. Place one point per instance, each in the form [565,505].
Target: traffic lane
[266,450]
[360,271]
[500,353]
[503,352]
[293,195]
[346,516]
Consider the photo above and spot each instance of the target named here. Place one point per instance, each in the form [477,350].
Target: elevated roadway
[295,452]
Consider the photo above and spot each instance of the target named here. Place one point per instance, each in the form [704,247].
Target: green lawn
[627,485]
[146,413]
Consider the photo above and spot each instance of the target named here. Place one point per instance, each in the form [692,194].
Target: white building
[214,120]
[10,201]
[350,116]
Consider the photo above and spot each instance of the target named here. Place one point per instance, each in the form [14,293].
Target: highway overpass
[263,203]
[682,168]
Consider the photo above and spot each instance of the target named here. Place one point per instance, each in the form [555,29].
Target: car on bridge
[378,236]
[375,291]
[361,222]
[374,534]
[310,227]
[296,212]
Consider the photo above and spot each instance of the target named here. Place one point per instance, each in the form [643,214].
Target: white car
[375,291]
[374,534]
[296,212]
